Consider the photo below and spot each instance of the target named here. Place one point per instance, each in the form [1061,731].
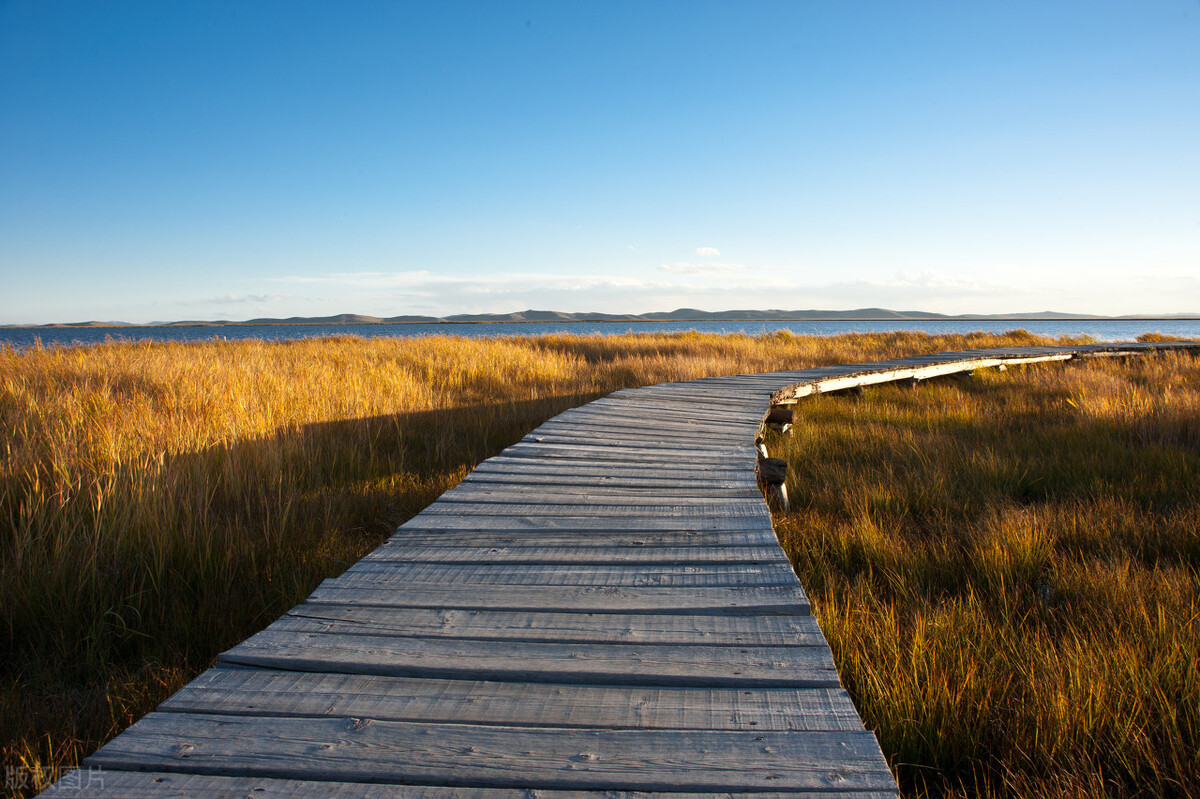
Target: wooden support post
[777,498]
[779,419]
[772,471]
[772,474]
[779,415]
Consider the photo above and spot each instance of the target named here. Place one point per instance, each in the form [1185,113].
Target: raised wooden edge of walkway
[600,610]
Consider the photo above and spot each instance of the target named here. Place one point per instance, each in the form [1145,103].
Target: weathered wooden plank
[587,449]
[568,480]
[572,663]
[611,538]
[110,783]
[265,692]
[781,599]
[584,524]
[685,418]
[548,627]
[643,445]
[655,416]
[509,466]
[666,409]
[606,423]
[481,756]
[626,437]
[615,508]
[716,409]
[723,469]
[643,478]
[729,400]
[474,576]
[703,391]
[633,450]
[722,461]
[907,369]
[595,497]
[620,457]
[716,392]
[410,552]
[557,490]
[609,419]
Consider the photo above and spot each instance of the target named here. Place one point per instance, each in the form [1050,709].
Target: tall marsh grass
[1008,571]
[161,502]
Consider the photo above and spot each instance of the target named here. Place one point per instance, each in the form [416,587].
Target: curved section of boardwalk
[601,607]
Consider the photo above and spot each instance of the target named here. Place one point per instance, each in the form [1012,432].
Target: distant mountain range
[678,315]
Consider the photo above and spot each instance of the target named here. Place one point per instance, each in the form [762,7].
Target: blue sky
[231,160]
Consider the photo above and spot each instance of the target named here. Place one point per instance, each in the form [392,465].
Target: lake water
[1101,330]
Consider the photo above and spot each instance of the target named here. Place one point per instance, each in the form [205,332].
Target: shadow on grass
[110,606]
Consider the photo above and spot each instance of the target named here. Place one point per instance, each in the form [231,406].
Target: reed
[1008,572]
[160,502]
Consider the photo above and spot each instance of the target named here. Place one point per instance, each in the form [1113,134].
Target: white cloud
[707,252]
[686,268]
[712,285]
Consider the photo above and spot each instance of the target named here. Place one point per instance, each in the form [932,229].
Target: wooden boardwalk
[601,608]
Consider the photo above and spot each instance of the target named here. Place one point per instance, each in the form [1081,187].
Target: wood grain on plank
[471,755]
[572,663]
[723,432]
[110,784]
[262,692]
[571,539]
[584,524]
[614,508]
[666,409]
[648,480]
[780,599]
[588,420]
[606,426]
[695,454]
[503,465]
[561,627]
[657,418]
[625,438]
[668,492]
[532,552]
[707,501]
[479,576]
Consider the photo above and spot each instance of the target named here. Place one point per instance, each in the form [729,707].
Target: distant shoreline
[543,317]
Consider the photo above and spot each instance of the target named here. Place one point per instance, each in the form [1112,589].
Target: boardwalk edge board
[601,610]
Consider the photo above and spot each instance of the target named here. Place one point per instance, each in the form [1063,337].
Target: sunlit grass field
[1008,571]
[161,502]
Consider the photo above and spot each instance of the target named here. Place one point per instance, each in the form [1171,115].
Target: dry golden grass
[161,502]
[1008,571]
